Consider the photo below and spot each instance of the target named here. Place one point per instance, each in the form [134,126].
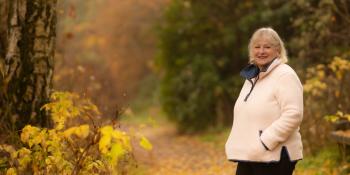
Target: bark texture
[28,63]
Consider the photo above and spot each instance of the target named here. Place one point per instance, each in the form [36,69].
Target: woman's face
[263,51]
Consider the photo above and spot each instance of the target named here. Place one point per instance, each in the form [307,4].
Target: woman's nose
[261,50]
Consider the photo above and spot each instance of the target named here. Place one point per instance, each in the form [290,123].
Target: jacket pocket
[256,149]
[262,143]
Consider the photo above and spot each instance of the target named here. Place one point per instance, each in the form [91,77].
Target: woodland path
[175,154]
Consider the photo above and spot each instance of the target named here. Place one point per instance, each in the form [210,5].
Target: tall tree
[27,62]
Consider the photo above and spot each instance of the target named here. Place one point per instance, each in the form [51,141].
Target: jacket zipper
[251,89]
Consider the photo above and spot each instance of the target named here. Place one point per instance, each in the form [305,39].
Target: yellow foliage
[114,144]
[117,151]
[106,130]
[339,115]
[315,86]
[8,148]
[81,131]
[319,83]
[332,118]
[52,151]
[62,108]
[339,66]
[145,143]
[29,132]
[103,143]
[24,158]
[11,171]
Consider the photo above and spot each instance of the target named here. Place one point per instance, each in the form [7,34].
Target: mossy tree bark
[27,63]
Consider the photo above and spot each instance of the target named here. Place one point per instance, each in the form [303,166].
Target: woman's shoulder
[284,69]
[284,73]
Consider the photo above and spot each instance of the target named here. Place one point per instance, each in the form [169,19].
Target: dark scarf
[252,70]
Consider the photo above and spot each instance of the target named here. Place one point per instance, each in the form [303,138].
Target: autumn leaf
[104,142]
[117,151]
[11,171]
[145,144]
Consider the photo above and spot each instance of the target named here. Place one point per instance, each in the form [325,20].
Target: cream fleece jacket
[271,116]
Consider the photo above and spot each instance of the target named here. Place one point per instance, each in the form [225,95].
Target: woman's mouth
[262,57]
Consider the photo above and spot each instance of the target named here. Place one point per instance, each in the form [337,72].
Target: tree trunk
[3,24]
[28,63]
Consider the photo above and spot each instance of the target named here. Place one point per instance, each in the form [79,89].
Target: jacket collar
[252,71]
[270,67]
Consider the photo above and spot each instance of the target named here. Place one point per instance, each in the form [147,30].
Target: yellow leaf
[67,133]
[8,148]
[103,144]
[24,152]
[106,130]
[145,144]
[83,131]
[11,171]
[347,116]
[117,151]
[118,134]
[27,132]
[340,113]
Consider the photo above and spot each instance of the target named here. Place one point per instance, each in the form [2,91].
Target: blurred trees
[105,49]
[28,34]
[203,46]
[322,35]
[321,31]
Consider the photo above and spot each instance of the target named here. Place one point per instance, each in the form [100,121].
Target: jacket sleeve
[289,94]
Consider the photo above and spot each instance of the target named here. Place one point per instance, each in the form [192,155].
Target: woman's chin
[261,63]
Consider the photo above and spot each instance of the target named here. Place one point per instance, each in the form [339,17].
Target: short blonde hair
[274,38]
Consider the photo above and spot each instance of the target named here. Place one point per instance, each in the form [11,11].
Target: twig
[337,10]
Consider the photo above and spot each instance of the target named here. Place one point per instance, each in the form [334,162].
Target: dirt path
[181,155]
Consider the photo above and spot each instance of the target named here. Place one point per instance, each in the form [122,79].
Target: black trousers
[283,167]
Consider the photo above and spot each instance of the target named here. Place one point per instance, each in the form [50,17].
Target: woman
[265,138]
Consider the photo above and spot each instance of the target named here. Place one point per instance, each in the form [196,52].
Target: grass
[145,108]
[216,136]
[326,162]
[153,116]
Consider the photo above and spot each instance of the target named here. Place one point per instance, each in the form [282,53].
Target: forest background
[169,69]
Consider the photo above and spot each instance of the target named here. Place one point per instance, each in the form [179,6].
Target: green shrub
[202,48]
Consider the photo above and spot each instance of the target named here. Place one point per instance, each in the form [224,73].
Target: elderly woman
[265,138]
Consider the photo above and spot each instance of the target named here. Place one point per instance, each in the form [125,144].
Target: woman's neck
[263,68]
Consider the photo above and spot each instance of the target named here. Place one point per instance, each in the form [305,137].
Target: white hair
[273,37]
